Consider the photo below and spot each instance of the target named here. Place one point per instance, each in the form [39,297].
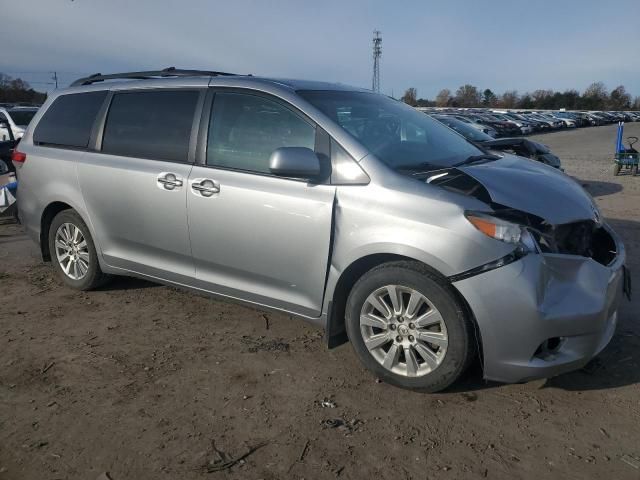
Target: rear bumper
[569,300]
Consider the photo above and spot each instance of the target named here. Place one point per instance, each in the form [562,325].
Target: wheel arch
[335,332]
[48,214]
[344,279]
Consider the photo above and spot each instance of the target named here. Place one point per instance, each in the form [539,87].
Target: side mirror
[295,162]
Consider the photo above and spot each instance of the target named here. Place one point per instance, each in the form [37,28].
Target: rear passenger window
[246,129]
[69,119]
[154,125]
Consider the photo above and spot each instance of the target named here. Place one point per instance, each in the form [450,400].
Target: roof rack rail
[167,72]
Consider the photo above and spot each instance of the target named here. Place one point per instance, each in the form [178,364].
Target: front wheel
[616,169]
[407,326]
[634,170]
[73,252]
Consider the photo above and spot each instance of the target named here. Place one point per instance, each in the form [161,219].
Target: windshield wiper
[478,158]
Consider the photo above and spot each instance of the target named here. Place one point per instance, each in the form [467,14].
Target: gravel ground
[144,381]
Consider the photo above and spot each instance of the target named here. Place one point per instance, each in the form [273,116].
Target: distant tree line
[595,97]
[14,90]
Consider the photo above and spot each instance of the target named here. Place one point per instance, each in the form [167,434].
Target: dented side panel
[408,218]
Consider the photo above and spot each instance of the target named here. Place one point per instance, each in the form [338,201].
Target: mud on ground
[144,381]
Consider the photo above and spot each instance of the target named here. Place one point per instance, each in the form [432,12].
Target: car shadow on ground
[600,189]
[127,283]
[618,365]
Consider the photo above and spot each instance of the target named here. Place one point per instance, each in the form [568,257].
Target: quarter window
[155,125]
[245,129]
[69,120]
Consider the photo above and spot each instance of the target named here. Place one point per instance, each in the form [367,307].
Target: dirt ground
[147,382]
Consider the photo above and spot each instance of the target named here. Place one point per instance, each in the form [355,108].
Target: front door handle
[205,187]
[169,181]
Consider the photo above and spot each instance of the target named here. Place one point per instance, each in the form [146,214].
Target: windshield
[22,117]
[399,135]
[470,133]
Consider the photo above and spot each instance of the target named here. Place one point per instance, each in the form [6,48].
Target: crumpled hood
[534,188]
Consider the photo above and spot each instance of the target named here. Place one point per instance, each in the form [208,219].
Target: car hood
[534,188]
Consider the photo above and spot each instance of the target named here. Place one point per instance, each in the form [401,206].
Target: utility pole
[377,53]
[55,79]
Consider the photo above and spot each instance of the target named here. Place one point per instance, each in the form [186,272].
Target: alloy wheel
[403,331]
[72,251]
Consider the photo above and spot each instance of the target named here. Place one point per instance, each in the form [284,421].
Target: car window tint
[22,117]
[244,131]
[69,120]
[153,124]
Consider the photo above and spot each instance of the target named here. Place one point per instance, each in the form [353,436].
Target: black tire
[94,277]
[459,330]
[616,169]
[634,170]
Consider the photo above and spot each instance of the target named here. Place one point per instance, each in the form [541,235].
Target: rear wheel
[73,252]
[407,327]
[616,169]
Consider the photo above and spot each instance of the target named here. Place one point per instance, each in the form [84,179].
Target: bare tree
[443,99]
[595,97]
[17,90]
[467,96]
[541,98]
[619,99]
[509,99]
[410,97]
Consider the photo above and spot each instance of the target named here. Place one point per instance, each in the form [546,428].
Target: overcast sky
[498,44]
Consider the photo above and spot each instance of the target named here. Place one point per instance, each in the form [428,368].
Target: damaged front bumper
[545,314]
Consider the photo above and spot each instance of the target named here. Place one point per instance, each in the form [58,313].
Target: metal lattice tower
[377,53]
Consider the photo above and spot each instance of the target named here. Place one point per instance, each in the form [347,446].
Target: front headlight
[504,231]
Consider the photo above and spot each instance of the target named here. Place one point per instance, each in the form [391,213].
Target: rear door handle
[169,181]
[205,187]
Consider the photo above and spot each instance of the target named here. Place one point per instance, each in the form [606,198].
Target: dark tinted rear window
[22,117]
[69,120]
[155,125]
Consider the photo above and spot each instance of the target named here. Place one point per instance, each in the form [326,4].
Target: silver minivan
[332,203]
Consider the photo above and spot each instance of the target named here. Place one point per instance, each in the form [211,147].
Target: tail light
[18,157]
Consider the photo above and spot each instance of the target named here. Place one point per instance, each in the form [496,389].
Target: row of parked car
[508,123]
[14,120]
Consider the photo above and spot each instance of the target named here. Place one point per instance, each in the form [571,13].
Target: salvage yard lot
[145,381]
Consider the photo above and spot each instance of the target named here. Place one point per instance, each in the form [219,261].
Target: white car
[18,118]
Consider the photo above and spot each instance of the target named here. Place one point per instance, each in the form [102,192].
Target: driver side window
[245,130]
